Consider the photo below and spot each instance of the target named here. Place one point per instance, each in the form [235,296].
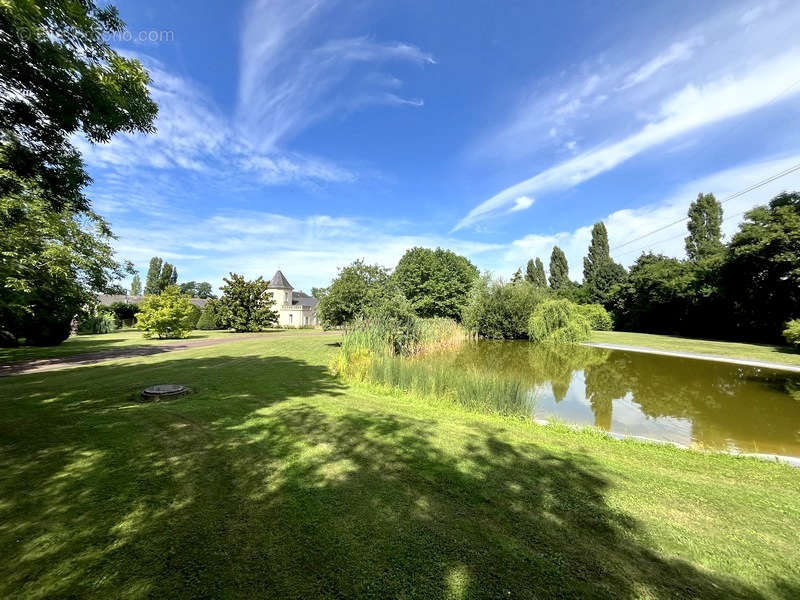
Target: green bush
[558,321]
[496,310]
[100,322]
[792,332]
[196,314]
[209,317]
[168,315]
[598,317]
[124,312]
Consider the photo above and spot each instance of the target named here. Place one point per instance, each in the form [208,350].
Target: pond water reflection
[692,402]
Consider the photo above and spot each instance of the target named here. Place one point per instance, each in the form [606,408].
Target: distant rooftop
[279,281]
[109,299]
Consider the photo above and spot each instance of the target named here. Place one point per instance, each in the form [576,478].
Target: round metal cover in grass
[164,390]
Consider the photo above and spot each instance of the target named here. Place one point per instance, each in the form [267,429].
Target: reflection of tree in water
[724,402]
[604,384]
[533,364]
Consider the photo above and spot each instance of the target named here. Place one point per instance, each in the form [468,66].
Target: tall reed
[405,354]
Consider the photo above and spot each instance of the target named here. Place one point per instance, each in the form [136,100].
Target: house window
[306,320]
[286,297]
[290,318]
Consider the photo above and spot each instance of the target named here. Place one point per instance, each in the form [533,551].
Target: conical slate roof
[279,281]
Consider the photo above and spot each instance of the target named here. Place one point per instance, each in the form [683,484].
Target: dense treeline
[747,289]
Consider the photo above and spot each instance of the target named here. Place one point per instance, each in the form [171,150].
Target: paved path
[90,358]
[713,357]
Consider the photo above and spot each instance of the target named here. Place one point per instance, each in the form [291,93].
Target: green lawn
[765,352]
[79,344]
[274,480]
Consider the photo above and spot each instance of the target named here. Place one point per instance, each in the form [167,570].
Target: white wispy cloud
[522,203]
[309,249]
[679,51]
[624,225]
[291,77]
[292,74]
[693,107]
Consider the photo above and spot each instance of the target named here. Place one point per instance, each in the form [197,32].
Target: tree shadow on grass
[258,485]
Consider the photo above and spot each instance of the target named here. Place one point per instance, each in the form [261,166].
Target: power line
[761,183]
[770,101]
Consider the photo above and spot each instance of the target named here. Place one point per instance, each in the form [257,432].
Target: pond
[713,405]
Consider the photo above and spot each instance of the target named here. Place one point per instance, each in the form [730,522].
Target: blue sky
[302,135]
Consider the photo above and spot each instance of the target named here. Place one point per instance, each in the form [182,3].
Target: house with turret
[295,309]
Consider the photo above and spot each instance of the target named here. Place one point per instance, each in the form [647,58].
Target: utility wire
[675,237]
[736,195]
[755,186]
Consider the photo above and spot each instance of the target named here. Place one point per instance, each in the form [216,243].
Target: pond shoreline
[792,461]
[710,357]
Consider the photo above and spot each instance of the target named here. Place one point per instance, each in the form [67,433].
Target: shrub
[500,311]
[196,313]
[246,305]
[100,322]
[168,315]
[209,317]
[792,332]
[558,321]
[598,316]
[124,312]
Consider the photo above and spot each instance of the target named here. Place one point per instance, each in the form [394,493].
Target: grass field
[763,352]
[122,338]
[275,480]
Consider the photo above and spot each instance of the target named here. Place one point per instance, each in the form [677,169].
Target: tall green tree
[534,273]
[167,277]
[60,81]
[204,290]
[705,228]
[762,270]
[357,287]
[517,277]
[598,251]
[559,270]
[136,285]
[51,264]
[600,272]
[60,77]
[153,282]
[246,305]
[436,282]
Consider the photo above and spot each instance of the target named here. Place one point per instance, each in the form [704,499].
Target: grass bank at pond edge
[758,352]
[274,479]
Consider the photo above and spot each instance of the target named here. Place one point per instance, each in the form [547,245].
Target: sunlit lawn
[274,480]
[122,338]
[764,352]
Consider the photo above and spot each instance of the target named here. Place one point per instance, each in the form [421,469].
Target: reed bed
[409,355]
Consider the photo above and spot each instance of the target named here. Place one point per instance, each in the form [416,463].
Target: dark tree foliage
[705,228]
[60,77]
[496,310]
[762,270]
[534,273]
[356,287]
[60,80]
[517,277]
[559,269]
[136,285]
[204,290]
[436,282]
[153,282]
[246,305]
[656,297]
[167,277]
[600,272]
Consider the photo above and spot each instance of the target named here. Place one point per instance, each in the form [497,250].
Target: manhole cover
[164,390]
